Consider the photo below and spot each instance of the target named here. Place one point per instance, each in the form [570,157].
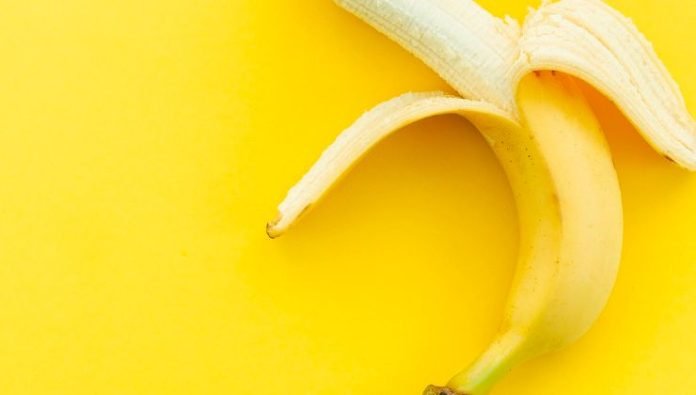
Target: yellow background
[144,143]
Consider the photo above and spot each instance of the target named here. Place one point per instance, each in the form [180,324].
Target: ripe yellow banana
[546,138]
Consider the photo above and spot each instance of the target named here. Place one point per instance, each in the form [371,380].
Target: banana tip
[272,229]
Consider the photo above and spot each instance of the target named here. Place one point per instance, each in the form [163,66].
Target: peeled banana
[518,88]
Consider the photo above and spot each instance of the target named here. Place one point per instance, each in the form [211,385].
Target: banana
[546,138]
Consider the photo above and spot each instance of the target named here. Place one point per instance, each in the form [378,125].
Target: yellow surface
[143,145]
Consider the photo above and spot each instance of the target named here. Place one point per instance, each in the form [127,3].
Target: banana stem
[488,369]
[435,390]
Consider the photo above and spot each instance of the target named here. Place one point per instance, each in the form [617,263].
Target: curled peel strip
[367,131]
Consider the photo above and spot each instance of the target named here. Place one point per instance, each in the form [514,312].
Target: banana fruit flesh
[546,138]
[565,274]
